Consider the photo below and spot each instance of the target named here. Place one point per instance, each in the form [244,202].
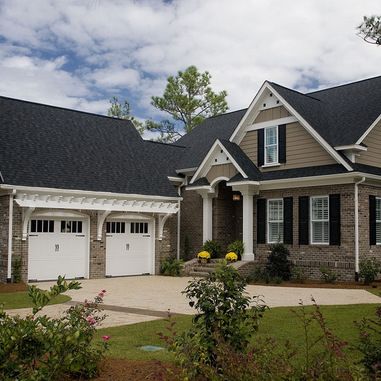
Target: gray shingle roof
[46,146]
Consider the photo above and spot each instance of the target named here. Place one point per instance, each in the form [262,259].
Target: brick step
[198,274]
[206,265]
[204,269]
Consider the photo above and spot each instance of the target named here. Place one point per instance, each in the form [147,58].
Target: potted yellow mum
[231,257]
[203,257]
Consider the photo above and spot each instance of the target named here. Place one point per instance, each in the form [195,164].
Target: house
[84,195]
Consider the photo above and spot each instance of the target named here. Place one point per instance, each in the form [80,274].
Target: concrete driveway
[133,299]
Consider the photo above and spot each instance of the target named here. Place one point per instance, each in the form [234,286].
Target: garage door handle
[57,247]
[127,246]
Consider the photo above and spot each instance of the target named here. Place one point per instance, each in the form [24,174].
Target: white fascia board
[204,167]
[22,188]
[354,147]
[370,128]
[250,182]
[311,130]
[271,123]
[176,179]
[235,136]
[186,170]
[201,187]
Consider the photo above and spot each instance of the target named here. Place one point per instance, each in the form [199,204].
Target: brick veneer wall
[168,245]
[312,257]
[4,215]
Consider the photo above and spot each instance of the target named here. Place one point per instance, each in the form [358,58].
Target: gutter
[10,236]
[357,228]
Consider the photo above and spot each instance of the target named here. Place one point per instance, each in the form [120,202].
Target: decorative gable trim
[366,133]
[239,132]
[270,123]
[209,160]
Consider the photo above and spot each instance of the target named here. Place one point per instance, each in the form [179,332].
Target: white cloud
[136,45]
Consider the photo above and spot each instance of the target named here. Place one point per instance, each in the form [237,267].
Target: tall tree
[189,99]
[123,111]
[370,30]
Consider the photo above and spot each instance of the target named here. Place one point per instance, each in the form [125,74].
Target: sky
[79,53]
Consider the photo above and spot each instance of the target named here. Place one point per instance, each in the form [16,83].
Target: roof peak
[63,108]
[295,91]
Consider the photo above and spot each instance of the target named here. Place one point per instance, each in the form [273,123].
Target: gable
[271,114]
[373,143]
[223,170]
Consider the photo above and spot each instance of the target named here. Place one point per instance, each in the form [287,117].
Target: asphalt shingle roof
[46,146]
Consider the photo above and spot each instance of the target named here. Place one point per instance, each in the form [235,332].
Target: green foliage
[189,99]
[370,29]
[278,264]
[370,344]
[41,348]
[328,275]
[213,248]
[369,269]
[187,248]
[259,274]
[298,275]
[171,266]
[17,262]
[167,130]
[237,247]
[123,111]
[224,313]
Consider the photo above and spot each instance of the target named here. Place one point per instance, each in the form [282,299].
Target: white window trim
[277,147]
[268,218]
[327,220]
[377,221]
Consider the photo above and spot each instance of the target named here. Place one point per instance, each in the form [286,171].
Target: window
[275,221]
[378,221]
[116,227]
[71,226]
[271,145]
[139,227]
[320,220]
[42,226]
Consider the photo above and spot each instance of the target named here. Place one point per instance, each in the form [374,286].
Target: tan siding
[226,170]
[271,114]
[302,150]
[373,141]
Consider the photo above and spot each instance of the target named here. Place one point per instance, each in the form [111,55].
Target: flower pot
[204,260]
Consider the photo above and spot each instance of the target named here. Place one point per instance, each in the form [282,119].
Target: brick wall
[97,248]
[311,257]
[168,245]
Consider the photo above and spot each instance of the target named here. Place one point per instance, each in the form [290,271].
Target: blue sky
[78,54]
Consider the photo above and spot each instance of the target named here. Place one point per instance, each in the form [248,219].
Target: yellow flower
[231,257]
[203,254]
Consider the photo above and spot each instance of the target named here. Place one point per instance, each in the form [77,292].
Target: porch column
[247,214]
[207,216]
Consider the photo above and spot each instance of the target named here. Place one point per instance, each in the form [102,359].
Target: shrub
[369,269]
[298,275]
[17,262]
[278,264]
[43,348]
[213,248]
[237,247]
[171,266]
[370,344]
[224,313]
[328,275]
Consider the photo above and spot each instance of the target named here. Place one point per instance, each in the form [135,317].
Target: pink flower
[101,294]
[91,320]
[104,291]
[106,338]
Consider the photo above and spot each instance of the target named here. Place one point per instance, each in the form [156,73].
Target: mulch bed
[314,284]
[12,287]
[134,370]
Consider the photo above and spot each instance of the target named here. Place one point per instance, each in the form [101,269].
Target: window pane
[271,154]
[51,226]
[275,232]
[320,208]
[118,227]
[33,226]
[378,232]
[74,227]
[132,228]
[378,209]
[46,226]
[108,227]
[39,226]
[146,228]
[122,227]
[320,232]
[271,135]
[275,210]
[63,226]
[79,226]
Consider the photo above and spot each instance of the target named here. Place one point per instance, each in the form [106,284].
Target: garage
[58,246]
[129,247]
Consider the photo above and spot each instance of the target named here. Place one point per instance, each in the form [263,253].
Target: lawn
[279,323]
[21,299]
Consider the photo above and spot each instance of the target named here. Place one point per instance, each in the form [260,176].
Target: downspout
[357,228]
[10,236]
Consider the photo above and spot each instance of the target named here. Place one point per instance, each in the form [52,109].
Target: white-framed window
[319,216]
[275,220]
[42,226]
[115,227]
[271,145]
[139,228]
[378,221]
[71,226]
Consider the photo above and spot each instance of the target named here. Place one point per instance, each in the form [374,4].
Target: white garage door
[57,247]
[128,248]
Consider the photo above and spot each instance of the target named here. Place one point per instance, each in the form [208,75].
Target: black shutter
[282,143]
[304,220]
[261,220]
[261,146]
[334,220]
[372,220]
[288,220]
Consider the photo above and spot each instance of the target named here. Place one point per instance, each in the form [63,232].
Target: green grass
[375,291]
[21,299]
[279,323]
